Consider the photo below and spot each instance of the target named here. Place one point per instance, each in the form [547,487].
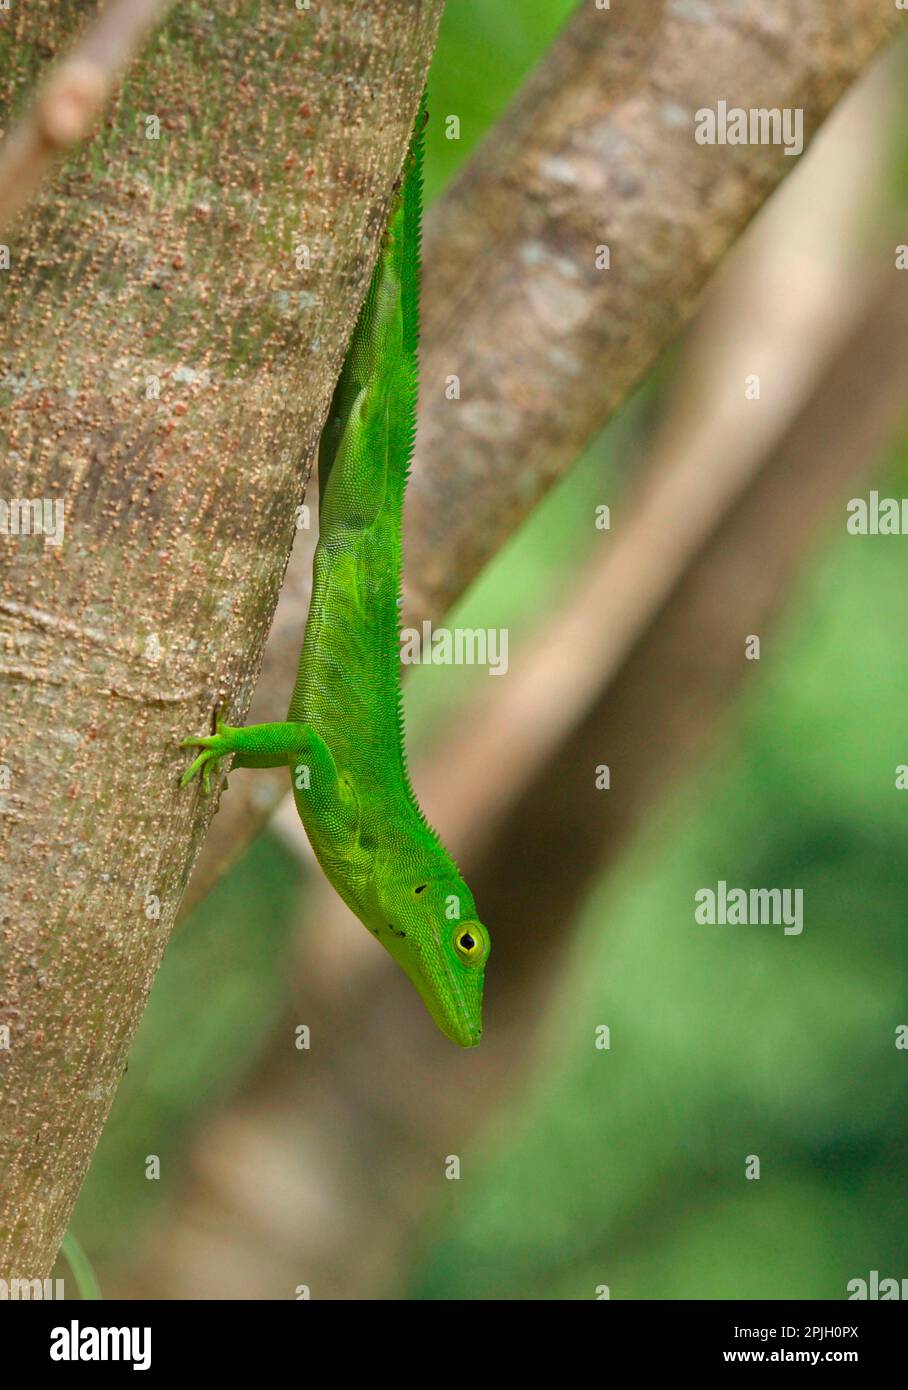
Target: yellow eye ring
[471,943]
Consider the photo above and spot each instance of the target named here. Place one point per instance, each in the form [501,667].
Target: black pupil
[467,941]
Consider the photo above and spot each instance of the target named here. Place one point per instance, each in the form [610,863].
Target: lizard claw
[219,711]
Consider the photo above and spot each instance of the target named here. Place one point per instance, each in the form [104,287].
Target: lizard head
[431,929]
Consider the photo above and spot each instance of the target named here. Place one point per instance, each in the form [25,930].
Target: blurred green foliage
[484,52]
[626,1167]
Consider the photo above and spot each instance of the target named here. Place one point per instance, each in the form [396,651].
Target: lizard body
[343,739]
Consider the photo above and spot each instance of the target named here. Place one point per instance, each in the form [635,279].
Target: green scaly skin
[344,739]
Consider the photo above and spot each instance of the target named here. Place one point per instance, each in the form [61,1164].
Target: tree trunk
[175,313]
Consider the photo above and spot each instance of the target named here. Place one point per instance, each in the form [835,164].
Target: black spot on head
[421,889]
[393,929]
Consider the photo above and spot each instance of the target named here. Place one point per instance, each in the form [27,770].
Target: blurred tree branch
[596,150]
[662,705]
[176,308]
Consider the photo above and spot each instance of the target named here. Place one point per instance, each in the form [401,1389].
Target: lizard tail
[367,443]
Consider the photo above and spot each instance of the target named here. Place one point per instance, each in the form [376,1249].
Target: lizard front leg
[289,744]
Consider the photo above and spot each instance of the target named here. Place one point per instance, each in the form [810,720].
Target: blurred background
[583,1166]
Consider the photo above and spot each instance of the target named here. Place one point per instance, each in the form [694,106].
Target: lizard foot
[214,747]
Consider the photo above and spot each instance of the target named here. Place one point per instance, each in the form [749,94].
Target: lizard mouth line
[470,1029]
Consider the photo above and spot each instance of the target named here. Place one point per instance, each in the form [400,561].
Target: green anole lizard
[343,738]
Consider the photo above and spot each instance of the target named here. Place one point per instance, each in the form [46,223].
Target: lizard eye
[471,942]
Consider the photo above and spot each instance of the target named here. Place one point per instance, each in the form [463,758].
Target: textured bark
[166,359]
[597,150]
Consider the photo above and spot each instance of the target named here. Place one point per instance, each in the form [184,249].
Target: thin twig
[71,100]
